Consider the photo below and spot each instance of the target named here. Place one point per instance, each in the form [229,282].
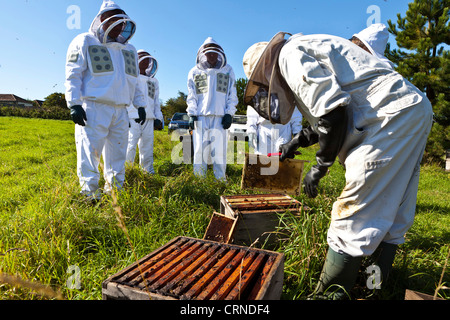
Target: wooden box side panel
[273,286]
[114,291]
[258,226]
[225,208]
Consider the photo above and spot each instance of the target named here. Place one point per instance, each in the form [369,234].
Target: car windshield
[180,116]
[240,120]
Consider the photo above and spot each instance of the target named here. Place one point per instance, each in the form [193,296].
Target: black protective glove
[157,124]
[78,115]
[142,115]
[312,178]
[303,139]
[192,120]
[226,121]
[331,129]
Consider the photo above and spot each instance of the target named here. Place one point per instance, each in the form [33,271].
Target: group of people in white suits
[113,96]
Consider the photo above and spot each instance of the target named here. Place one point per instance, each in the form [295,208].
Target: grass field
[47,231]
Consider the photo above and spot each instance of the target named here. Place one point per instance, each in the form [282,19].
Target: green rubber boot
[384,257]
[338,276]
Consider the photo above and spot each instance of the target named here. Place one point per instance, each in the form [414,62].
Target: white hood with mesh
[153,63]
[210,45]
[97,27]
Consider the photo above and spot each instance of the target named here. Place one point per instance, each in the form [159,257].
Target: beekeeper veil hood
[267,91]
[375,38]
[152,63]
[113,27]
[211,46]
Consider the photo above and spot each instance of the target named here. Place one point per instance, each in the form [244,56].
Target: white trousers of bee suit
[105,133]
[210,146]
[143,137]
[382,176]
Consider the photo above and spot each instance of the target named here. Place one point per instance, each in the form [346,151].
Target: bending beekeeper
[101,81]
[266,137]
[211,104]
[366,114]
[143,135]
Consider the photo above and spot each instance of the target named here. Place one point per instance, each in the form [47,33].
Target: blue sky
[35,33]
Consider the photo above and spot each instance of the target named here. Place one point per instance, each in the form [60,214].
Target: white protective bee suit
[143,135]
[387,122]
[268,137]
[366,114]
[102,76]
[211,95]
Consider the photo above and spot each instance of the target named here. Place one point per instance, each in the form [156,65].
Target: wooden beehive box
[268,174]
[415,295]
[257,216]
[193,269]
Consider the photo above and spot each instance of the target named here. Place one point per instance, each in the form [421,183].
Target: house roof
[12,98]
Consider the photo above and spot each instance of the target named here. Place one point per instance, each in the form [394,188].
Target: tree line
[423,37]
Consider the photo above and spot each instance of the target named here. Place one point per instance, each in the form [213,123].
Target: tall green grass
[46,226]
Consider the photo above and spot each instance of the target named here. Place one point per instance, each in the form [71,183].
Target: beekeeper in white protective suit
[143,135]
[211,104]
[266,137]
[365,113]
[101,81]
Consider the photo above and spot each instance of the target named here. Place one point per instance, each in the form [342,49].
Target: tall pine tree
[425,34]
